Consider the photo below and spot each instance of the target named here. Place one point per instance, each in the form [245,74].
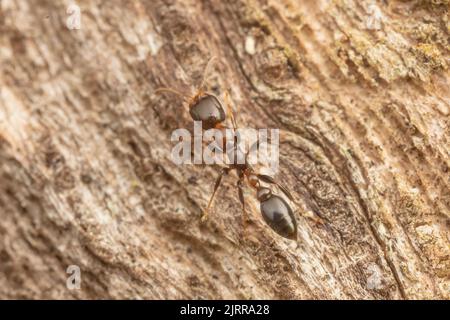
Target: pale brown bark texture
[358,89]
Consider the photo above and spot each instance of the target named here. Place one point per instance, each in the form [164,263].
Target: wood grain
[85,171]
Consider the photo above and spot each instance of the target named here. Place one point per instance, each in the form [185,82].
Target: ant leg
[216,186]
[230,109]
[242,200]
[271,180]
[318,220]
[252,148]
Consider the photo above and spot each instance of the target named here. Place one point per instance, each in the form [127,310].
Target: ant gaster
[276,212]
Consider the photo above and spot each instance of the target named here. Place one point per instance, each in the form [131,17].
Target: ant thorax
[224,146]
[236,153]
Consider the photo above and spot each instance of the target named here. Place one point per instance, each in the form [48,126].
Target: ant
[206,107]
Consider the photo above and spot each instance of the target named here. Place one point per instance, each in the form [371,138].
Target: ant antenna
[205,73]
[164,89]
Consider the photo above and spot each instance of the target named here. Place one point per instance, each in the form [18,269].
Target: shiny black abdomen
[278,215]
[208,110]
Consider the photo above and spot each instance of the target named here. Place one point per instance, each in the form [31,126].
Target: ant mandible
[206,107]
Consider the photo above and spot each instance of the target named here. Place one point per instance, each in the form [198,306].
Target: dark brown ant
[276,212]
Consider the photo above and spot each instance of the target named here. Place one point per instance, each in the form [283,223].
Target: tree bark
[358,89]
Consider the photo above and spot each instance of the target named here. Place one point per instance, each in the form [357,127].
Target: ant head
[208,109]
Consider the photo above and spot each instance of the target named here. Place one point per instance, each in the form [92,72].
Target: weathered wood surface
[359,89]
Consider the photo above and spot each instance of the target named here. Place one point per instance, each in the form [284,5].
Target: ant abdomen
[277,214]
[207,109]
